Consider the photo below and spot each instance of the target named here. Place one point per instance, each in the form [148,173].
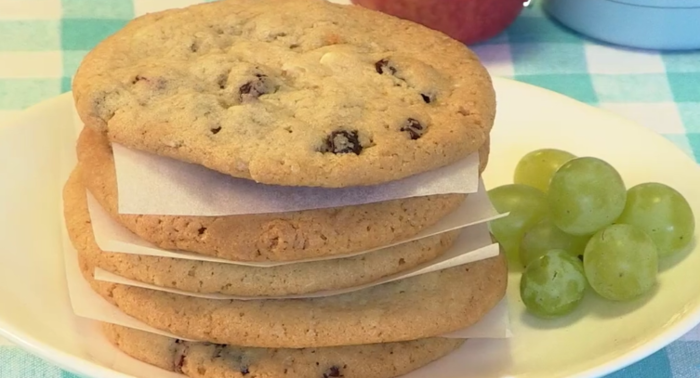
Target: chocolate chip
[254,88]
[333,371]
[343,142]
[203,229]
[244,370]
[414,128]
[427,98]
[382,64]
[215,130]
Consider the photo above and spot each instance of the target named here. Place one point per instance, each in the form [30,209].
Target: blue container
[648,24]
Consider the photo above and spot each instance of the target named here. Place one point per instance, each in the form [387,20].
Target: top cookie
[288,92]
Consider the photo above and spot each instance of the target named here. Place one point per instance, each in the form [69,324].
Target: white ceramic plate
[599,338]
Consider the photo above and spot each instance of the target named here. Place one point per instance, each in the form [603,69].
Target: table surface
[43,41]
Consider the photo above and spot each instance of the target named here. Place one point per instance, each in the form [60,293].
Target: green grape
[621,262]
[545,236]
[553,285]
[661,212]
[537,167]
[526,205]
[585,195]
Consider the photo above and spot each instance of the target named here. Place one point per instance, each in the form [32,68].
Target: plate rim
[85,367]
[691,319]
[61,359]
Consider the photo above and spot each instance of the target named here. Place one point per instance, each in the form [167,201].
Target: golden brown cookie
[288,92]
[205,360]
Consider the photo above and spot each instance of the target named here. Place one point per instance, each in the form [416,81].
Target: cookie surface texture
[288,92]
[424,306]
[245,281]
[264,237]
[205,360]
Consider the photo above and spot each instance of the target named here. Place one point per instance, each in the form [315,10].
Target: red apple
[468,21]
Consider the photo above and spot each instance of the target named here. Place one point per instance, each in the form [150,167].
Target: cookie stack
[296,93]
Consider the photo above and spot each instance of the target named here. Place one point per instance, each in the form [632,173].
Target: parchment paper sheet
[151,184]
[113,237]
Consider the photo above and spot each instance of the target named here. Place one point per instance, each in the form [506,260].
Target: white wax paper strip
[113,237]
[473,244]
[151,184]
[88,304]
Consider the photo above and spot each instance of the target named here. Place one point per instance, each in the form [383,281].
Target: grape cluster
[572,223]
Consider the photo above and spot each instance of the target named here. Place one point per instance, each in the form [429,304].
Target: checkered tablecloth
[43,41]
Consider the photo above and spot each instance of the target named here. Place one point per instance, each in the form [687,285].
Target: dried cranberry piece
[383,64]
[254,88]
[343,142]
[180,352]
[158,83]
[333,372]
[414,128]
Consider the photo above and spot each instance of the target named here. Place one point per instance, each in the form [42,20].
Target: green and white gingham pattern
[658,90]
[43,41]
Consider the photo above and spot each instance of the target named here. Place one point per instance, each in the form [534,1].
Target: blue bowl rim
[661,4]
